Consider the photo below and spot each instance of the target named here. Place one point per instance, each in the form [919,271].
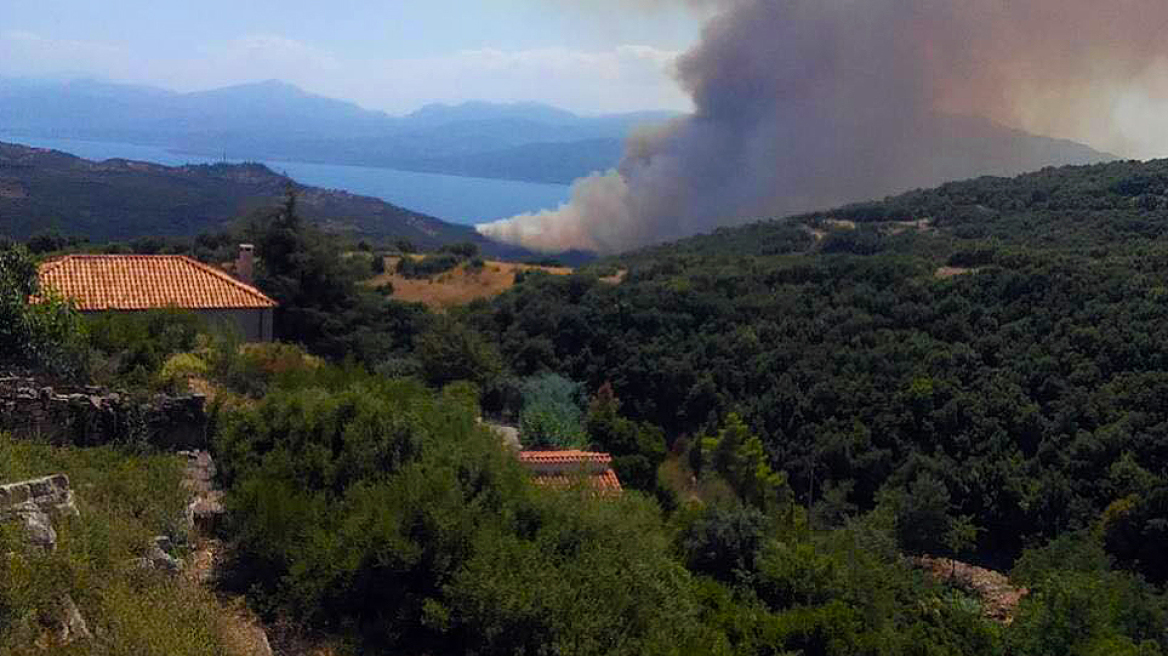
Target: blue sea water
[451,198]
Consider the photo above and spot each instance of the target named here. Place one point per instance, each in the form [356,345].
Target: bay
[452,198]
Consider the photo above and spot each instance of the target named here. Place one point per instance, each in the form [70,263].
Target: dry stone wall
[89,416]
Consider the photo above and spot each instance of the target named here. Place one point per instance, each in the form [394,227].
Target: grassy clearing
[124,500]
[459,286]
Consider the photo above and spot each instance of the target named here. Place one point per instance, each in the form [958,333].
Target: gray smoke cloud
[805,104]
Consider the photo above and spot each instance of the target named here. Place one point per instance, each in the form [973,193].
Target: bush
[47,334]
[48,242]
[637,449]
[740,458]
[925,523]
[464,250]
[180,367]
[428,266]
[863,240]
[134,345]
[400,367]
[723,541]
[250,369]
[387,512]
[451,351]
[1089,614]
[591,577]
[552,414]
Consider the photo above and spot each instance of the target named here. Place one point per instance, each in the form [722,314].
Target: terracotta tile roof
[565,458]
[144,282]
[563,469]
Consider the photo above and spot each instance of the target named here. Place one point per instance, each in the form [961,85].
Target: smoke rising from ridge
[805,104]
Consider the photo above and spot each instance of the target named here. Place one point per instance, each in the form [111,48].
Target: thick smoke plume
[804,104]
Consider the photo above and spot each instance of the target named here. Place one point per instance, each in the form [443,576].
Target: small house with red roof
[134,283]
[563,469]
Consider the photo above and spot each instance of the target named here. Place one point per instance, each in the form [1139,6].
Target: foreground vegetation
[124,499]
[796,409]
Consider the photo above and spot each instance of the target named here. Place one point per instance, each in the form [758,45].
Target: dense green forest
[797,408]
[1028,384]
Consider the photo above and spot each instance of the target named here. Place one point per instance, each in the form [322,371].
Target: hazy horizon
[393,57]
[68,78]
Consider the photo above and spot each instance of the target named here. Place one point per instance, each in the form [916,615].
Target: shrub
[923,514]
[464,250]
[723,541]
[463,393]
[180,367]
[134,346]
[592,576]
[46,334]
[400,367]
[451,351]
[552,414]
[1090,614]
[251,368]
[637,449]
[365,525]
[384,510]
[428,266]
[739,456]
[276,358]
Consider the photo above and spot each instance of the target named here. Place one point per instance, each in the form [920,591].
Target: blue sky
[393,55]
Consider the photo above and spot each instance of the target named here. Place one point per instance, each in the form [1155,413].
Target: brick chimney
[245,264]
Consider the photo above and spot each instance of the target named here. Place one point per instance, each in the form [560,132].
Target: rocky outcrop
[158,557]
[35,504]
[62,625]
[87,416]
[205,510]
[999,599]
[508,434]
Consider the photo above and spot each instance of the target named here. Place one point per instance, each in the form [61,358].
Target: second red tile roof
[562,469]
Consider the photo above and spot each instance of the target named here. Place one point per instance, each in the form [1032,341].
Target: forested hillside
[998,344]
[804,414]
[43,190]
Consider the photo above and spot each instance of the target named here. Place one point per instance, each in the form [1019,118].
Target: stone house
[133,283]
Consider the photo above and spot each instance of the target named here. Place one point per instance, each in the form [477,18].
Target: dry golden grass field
[458,286]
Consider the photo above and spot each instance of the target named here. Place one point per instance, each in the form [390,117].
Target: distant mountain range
[277,121]
[45,190]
